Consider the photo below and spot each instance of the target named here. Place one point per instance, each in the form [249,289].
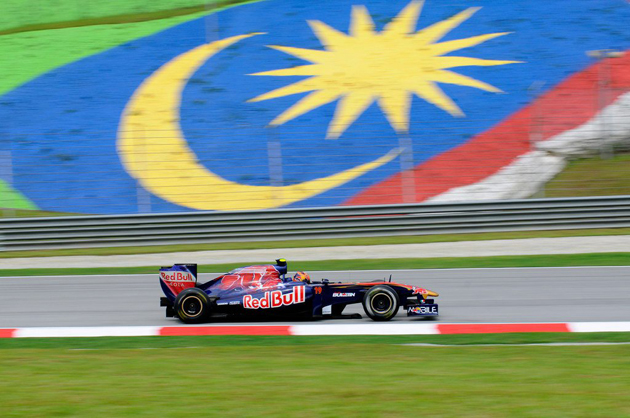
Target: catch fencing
[225,153]
[81,172]
[328,222]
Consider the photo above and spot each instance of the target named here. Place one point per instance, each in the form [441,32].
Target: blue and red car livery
[265,291]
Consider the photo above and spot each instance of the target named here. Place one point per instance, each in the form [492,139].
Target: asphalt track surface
[466,296]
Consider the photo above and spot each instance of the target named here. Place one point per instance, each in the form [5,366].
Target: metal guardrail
[327,222]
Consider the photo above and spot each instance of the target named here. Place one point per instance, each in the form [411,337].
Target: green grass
[317,243]
[29,213]
[314,377]
[603,259]
[111,343]
[592,177]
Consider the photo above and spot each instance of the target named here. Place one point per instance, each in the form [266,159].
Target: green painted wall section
[12,199]
[31,54]
[17,13]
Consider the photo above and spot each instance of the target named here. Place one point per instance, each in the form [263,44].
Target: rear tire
[381,303]
[192,306]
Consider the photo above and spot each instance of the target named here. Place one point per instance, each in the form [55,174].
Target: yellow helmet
[300,276]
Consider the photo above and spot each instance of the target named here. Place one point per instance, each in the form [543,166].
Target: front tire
[192,306]
[381,303]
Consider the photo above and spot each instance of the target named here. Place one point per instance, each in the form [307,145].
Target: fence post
[408,186]
[536,121]
[211,23]
[6,174]
[274,155]
[603,76]
[603,57]
[143,196]
[536,124]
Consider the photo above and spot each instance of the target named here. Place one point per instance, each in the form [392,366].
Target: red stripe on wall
[499,328]
[7,332]
[235,330]
[566,106]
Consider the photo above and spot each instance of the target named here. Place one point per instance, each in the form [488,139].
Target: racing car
[266,291]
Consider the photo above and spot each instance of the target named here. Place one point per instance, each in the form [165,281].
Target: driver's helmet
[300,276]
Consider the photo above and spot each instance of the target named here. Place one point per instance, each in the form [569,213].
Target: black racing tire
[192,306]
[381,303]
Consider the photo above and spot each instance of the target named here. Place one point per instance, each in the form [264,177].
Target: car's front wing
[426,309]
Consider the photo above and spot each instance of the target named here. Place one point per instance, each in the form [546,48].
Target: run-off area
[316,376]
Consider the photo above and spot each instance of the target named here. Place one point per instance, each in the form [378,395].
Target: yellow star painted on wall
[387,67]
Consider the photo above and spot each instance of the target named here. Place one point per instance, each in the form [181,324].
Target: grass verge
[592,177]
[315,376]
[115,343]
[420,239]
[6,212]
[553,260]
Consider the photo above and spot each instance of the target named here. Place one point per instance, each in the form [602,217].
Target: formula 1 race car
[265,291]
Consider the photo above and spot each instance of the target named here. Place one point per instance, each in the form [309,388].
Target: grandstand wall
[291,103]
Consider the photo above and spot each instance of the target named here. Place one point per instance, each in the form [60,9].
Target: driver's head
[300,276]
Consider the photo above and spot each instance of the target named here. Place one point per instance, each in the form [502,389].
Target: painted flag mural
[294,103]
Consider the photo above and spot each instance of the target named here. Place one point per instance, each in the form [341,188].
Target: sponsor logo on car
[419,291]
[423,310]
[177,278]
[343,295]
[251,269]
[275,299]
[230,302]
[252,277]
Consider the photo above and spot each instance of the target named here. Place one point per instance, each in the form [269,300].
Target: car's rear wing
[176,278]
